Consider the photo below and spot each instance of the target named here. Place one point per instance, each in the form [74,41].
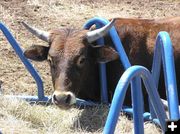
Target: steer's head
[73,61]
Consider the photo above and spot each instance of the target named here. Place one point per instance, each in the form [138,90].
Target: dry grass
[20,117]
[17,116]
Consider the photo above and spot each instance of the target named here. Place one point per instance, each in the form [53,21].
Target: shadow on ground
[91,119]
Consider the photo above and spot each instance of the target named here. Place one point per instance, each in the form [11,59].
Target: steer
[73,56]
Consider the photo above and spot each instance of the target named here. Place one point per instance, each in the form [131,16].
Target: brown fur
[138,37]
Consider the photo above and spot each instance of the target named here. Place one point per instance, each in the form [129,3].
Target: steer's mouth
[64,100]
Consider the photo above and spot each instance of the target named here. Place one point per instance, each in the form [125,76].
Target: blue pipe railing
[163,50]
[102,66]
[27,64]
[119,95]
[135,84]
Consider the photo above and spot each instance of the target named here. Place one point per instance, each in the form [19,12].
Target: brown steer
[73,55]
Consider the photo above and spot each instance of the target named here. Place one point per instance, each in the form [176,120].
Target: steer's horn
[43,35]
[98,33]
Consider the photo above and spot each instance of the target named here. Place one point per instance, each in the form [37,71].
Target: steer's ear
[104,54]
[37,53]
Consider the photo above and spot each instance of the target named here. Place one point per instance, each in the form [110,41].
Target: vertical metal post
[27,64]
[102,69]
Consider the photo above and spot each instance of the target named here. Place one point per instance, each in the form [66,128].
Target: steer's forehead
[67,41]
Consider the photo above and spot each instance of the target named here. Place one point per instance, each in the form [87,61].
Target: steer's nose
[63,99]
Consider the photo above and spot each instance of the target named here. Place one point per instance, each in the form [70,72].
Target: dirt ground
[50,14]
[53,14]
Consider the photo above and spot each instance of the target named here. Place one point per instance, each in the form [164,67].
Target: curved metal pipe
[27,64]
[119,95]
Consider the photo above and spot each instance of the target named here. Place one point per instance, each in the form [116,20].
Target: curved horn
[98,33]
[43,35]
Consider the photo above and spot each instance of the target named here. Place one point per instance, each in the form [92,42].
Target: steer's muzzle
[63,99]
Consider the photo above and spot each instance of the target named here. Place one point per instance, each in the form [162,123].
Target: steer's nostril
[62,99]
[68,99]
[54,97]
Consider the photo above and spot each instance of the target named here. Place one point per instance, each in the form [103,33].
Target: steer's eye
[81,60]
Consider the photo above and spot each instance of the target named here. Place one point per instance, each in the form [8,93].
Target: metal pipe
[102,66]
[119,95]
[164,51]
[27,64]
